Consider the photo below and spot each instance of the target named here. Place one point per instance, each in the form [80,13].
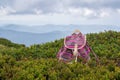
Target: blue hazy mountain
[28,38]
[38,34]
[50,28]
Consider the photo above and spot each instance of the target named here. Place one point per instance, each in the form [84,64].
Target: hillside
[38,62]
[8,43]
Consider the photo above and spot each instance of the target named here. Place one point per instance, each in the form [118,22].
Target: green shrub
[38,62]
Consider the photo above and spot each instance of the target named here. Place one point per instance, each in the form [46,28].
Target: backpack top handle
[76,38]
[76,31]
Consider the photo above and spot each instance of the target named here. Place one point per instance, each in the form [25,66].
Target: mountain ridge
[28,38]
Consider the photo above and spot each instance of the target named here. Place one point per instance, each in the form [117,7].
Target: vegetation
[8,43]
[38,62]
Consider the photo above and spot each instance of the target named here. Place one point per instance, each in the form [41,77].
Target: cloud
[57,6]
[6,10]
[118,10]
[80,10]
[89,13]
[95,4]
[38,12]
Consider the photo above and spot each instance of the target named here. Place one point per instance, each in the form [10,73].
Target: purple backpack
[66,53]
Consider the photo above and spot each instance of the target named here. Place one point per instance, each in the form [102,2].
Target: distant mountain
[31,38]
[50,28]
[43,33]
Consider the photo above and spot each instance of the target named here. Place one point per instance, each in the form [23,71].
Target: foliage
[38,62]
[10,44]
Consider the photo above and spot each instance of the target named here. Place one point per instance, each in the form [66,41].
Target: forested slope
[38,62]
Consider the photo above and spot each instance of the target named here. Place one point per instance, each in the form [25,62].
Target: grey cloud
[6,2]
[95,4]
[48,6]
[56,6]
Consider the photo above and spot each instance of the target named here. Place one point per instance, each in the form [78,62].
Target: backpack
[67,52]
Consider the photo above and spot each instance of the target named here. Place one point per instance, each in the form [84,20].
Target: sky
[60,12]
